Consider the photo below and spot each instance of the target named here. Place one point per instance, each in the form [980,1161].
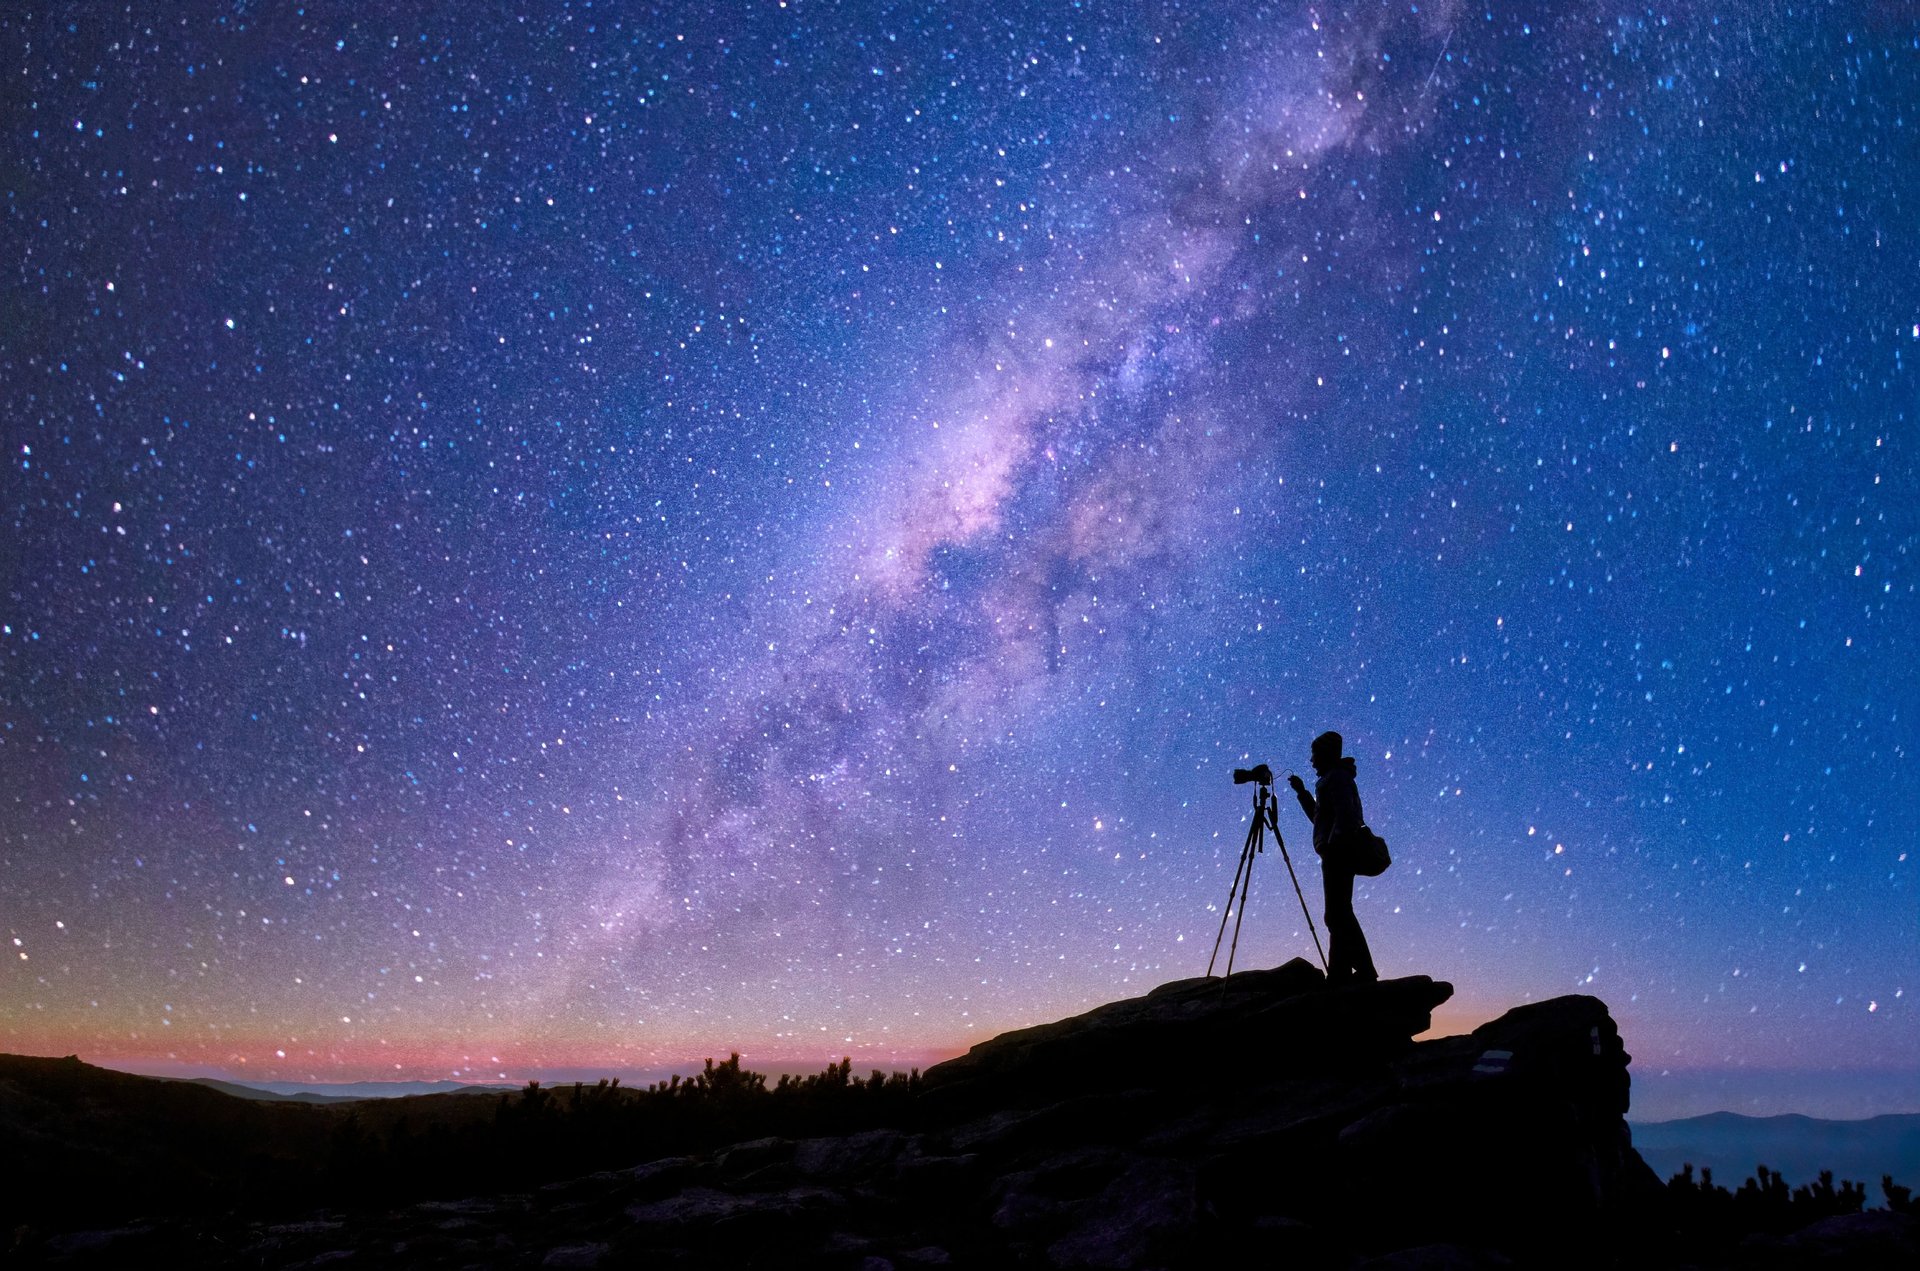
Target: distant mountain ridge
[240,1090]
[1732,1145]
[343,1091]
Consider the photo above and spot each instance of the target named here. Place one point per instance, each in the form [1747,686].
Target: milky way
[579,540]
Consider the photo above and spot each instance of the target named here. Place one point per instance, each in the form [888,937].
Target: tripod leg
[1246,890]
[1253,841]
[1245,867]
[1307,913]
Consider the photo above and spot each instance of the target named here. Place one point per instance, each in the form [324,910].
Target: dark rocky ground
[1208,1124]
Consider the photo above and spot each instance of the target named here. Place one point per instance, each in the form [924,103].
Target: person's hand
[1299,786]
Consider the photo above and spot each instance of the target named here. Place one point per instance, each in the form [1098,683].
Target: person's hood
[1346,765]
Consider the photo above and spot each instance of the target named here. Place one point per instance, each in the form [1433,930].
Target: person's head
[1327,748]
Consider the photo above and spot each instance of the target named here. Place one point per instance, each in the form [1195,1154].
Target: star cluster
[581,538]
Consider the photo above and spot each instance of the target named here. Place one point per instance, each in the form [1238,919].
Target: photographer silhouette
[1334,809]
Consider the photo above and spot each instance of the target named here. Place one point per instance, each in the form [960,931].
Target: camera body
[1262,774]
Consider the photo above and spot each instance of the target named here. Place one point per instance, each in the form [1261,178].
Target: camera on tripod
[1264,820]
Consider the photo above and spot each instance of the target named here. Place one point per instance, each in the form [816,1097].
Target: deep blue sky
[592,538]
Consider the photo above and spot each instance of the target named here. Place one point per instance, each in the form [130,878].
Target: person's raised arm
[1301,793]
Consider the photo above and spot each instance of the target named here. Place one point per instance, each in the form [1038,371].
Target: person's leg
[1342,927]
[1360,958]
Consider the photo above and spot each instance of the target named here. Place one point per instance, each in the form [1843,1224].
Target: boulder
[850,1156]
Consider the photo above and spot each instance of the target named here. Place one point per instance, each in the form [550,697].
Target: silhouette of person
[1334,809]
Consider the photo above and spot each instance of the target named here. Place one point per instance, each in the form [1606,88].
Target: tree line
[542,1133]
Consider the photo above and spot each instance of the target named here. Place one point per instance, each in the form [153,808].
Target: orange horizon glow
[293,1059]
[516,1063]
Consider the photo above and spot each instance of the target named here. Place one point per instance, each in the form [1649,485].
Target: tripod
[1264,819]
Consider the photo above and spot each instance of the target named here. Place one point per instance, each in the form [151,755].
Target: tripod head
[1264,817]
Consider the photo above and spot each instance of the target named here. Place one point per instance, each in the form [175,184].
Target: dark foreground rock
[1207,1124]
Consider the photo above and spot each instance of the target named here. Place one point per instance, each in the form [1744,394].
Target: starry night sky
[576,538]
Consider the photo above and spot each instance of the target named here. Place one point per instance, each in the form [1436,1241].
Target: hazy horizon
[1657,1095]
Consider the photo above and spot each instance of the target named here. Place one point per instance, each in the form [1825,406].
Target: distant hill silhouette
[343,1091]
[1209,1122]
[99,1144]
[239,1091]
[1732,1145]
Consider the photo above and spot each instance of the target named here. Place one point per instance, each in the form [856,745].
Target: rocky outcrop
[1284,1020]
[1202,1123]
